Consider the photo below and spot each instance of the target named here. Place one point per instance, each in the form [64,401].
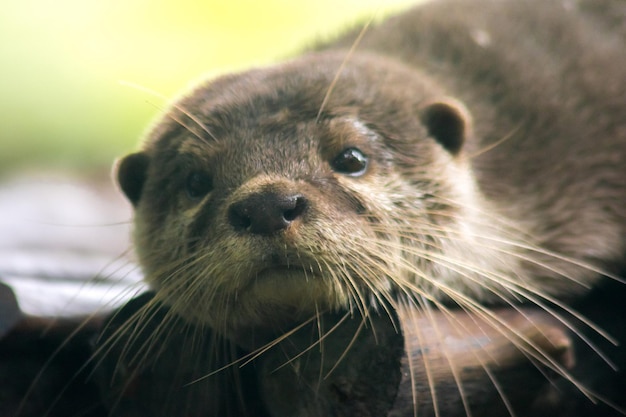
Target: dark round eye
[350,161]
[198,185]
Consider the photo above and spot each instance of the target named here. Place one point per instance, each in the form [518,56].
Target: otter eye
[198,185]
[350,161]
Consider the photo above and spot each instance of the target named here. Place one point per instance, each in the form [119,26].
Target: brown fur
[496,138]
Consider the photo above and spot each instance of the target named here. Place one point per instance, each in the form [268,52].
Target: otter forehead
[303,84]
[312,88]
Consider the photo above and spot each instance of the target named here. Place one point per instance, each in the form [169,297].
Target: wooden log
[522,361]
[340,365]
[404,363]
[460,364]
[399,364]
[445,364]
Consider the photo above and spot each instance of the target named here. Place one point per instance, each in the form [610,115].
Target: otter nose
[266,213]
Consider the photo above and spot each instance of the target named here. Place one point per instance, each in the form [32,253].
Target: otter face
[257,204]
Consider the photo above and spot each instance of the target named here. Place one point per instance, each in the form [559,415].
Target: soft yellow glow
[62,62]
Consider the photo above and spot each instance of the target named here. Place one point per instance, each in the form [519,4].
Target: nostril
[300,204]
[238,217]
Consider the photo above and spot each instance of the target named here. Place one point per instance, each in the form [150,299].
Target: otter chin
[424,165]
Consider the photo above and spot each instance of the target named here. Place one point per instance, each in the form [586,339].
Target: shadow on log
[510,362]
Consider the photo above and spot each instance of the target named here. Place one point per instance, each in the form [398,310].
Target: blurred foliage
[68,66]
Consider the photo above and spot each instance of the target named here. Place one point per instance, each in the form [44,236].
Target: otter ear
[448,121]
[131,175]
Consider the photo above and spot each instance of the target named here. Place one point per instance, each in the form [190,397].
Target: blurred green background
[67,66]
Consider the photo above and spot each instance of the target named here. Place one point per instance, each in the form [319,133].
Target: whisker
[497,143]
[347,349]
[351,51]
[425,306]
[501,326]
[178,107]
[319,341]
[409,306]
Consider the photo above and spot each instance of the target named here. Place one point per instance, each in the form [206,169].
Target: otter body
[466,152]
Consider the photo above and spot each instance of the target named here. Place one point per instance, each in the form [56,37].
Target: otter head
[263,198]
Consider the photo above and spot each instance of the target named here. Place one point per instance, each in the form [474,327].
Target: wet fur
[521,200]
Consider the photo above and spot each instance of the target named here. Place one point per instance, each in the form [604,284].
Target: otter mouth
[283,271]
[282,292]
[283,264]
[275,279]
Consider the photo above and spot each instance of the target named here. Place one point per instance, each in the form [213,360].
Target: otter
[463,153]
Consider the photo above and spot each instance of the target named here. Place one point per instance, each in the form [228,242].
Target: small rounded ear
[131,175]
[448,121]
